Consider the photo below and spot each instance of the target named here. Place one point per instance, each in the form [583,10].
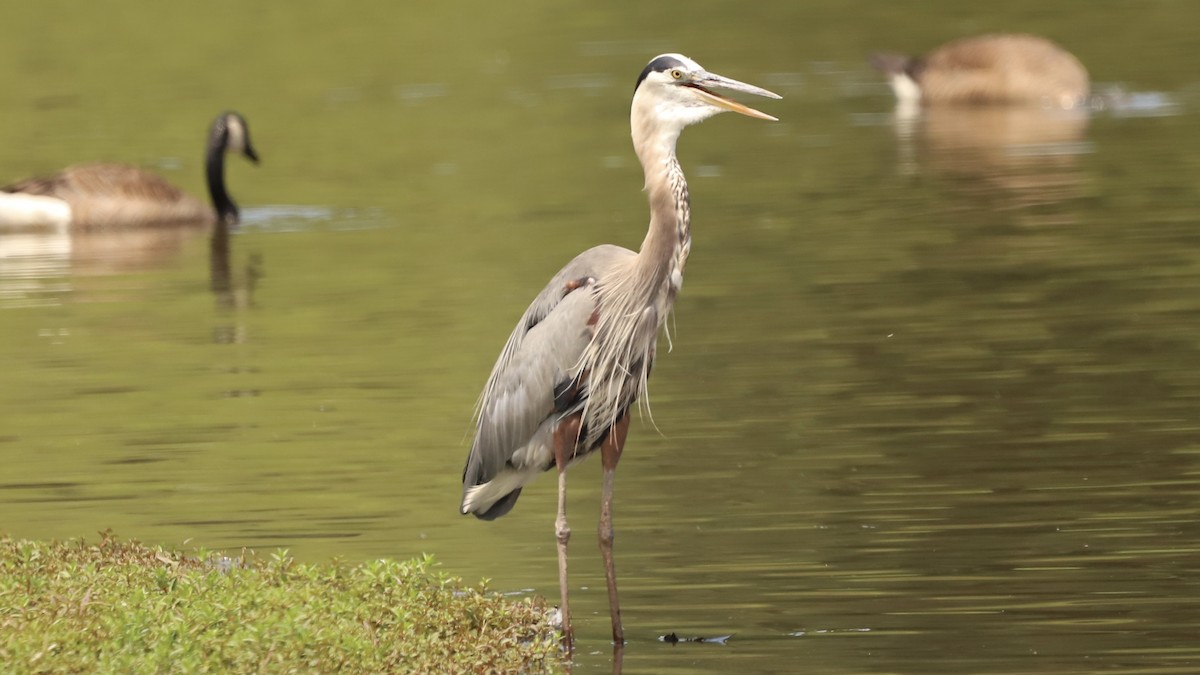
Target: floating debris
[672,638]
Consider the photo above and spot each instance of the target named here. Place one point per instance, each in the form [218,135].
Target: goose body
[18,210]
[103,196]
[1000,68]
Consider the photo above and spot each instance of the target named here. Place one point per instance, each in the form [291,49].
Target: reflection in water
[230,293]
[37,267]
[299,218]
[1018,157]
[33,267]
[120,251]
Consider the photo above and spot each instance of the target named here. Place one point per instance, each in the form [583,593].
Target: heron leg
[565,436]
[610,454]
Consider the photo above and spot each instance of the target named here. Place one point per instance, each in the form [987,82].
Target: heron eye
[676,74]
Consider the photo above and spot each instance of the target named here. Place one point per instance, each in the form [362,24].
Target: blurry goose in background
[988,69]
[99,196]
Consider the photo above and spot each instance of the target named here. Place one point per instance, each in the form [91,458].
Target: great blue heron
[997,68]
[97,196]
[582,352]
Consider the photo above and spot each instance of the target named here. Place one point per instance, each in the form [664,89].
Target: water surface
[932,401]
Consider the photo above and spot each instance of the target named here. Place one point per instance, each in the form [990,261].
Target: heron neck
[227,210]
[665,249]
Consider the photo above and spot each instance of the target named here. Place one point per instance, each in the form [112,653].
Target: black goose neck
[227,210]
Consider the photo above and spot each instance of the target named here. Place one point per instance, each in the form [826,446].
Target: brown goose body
[117,195]
[1000,68]
[109,196]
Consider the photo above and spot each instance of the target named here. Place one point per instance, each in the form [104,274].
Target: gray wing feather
[541,351]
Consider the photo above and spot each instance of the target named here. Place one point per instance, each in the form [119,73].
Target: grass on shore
[120,606]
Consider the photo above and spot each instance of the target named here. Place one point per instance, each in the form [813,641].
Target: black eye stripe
[659,65]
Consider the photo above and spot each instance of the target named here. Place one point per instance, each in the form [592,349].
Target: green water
[933,399]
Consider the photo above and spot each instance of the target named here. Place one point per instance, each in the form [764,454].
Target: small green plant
[120,606]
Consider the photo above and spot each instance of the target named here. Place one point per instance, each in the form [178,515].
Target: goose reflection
[1014,156]
[39,268]
[232,291]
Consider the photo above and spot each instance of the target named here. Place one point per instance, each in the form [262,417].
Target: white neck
[668,240]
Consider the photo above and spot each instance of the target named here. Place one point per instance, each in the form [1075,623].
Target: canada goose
[996,68]
[98,196]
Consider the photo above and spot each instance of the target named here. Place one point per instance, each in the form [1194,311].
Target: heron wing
[540,353]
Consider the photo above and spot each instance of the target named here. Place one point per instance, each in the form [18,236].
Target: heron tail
[500,507]
[496,497]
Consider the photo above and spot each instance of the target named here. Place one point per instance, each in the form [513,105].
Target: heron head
[681,92]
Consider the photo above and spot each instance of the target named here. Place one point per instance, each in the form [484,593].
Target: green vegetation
[120,606]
